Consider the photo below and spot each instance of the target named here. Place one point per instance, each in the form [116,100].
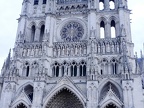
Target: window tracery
[109,86]
[73,69]
[82,68]
[72,31]
[114,66]
[26,69]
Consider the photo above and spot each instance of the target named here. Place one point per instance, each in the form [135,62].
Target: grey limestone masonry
[73,54]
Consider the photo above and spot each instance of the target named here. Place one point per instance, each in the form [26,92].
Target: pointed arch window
[82,68]
[33,29]
[114,66]
[113,29]
[73,69]
[44,1]
[102,29]
[27,71]
[112,4]
[36,2]
[101,4]
[29,92]
[104,66]
[55,70]
[42,33]
[109,86]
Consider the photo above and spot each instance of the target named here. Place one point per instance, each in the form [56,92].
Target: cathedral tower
[72,54]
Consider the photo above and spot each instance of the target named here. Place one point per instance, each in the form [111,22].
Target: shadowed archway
[64,99]
[111,105]
[21,105]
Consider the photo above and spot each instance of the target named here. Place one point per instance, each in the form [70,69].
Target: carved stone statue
[123,31]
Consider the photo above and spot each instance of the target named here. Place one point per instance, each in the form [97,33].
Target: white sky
[10,11]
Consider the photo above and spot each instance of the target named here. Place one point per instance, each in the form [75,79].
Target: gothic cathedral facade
[72,54]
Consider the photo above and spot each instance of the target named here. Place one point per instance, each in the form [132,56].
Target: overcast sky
[10,10]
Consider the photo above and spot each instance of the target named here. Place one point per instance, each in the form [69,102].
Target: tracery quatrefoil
[72,31]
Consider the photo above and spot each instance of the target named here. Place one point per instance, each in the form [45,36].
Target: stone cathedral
[73,54]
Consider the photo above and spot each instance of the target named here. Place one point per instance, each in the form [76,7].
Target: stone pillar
[78,71]
[37,34]
[108,30]
[92,94]
[109,68]
[39,88]
[60,71]
[106,4]
[128,93]
[7,93]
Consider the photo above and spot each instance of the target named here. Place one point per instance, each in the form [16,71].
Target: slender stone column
[37,34]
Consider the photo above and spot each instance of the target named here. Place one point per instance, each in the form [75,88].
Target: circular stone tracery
[72,31]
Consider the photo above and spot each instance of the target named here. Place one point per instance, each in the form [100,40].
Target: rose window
[72,31]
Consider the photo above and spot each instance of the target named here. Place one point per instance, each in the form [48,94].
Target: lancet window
[56,68]
[101,4]
[44,1]
[82,68]
[114,66]
[102,29]
[112,4]
[36,2]
[104,67]
[42,33]
[73,69]
[26,69]
[33,29]
[113,29]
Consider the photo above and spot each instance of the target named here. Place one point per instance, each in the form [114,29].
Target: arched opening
[111,105]
[27,71]
[62,70]
[73,69]
[44,1]
[114,66]
[42,33]
[64,99]
[101,5]
[33,29]
[112,4]
[82,68]
[106,89]
[21,105]
[36,2]
[55,70]
[102,29]
[101,72]
[113,29]
[29,92]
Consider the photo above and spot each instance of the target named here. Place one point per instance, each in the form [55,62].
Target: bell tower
[72,54]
